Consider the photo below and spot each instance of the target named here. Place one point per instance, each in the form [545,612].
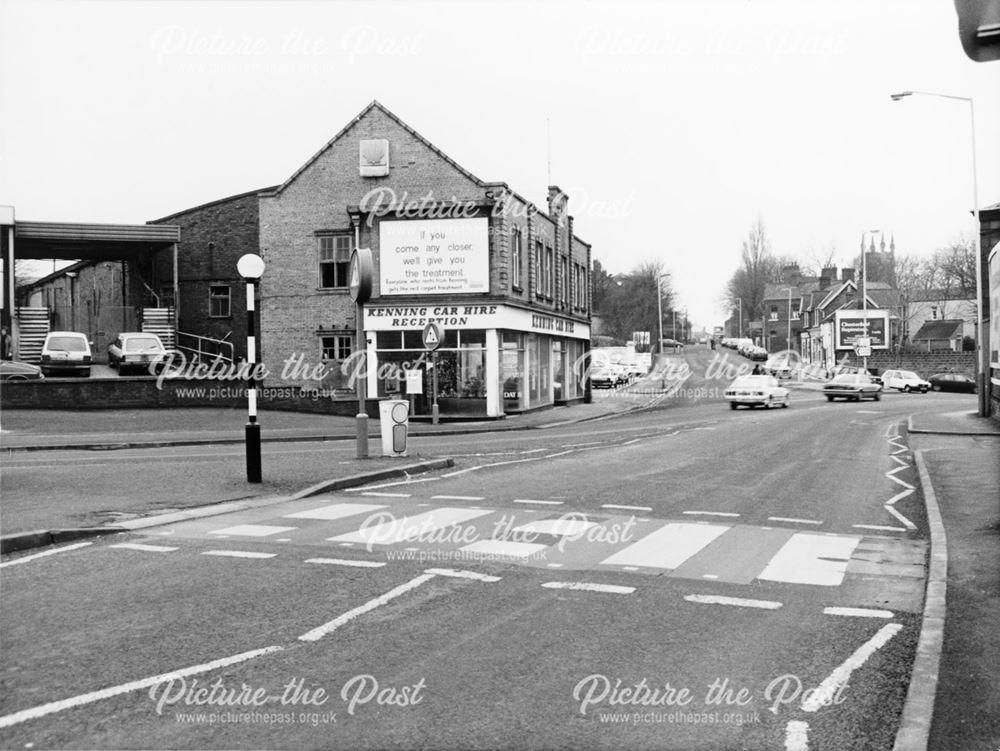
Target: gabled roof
[944,329]
[835,291]
[376,105]
[940,295]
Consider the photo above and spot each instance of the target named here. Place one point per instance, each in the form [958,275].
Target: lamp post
[982,369]
[251,268]
[739,334]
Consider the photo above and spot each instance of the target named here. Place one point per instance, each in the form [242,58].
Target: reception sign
[434,256]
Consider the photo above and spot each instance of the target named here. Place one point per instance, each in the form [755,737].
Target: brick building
[509,282]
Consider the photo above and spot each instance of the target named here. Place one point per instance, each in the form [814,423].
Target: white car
[752,390]
[137,350]
[66,352]
[905,380]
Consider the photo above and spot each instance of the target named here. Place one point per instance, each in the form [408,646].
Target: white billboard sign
[434,256]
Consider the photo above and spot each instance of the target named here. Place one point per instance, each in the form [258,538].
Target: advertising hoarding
[851,325]
[434,256]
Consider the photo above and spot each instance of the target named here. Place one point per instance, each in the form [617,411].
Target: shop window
[515,258]
[219,301]
[335,260]
[337,347]
[512,371]
[389,340]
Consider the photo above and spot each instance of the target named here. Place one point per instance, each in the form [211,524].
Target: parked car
[852,386]
[66,352]
[13,370]
[752,390]
[952,382]
[138,351]
[603,376]
[904,380]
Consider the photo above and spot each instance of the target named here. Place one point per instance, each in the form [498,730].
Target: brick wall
[923,363]
[213,237]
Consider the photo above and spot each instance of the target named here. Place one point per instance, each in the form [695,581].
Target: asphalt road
[676,579]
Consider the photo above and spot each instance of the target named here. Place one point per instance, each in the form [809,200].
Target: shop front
[494,359]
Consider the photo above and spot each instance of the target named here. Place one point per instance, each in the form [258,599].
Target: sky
[672,126]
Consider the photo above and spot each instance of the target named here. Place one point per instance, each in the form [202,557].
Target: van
[66,353]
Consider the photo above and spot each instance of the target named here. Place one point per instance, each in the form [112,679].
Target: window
[774,313]
[539,281]
[219,300]
[515,258]
[335,259]
[547,273]
[563,280]
[338,346]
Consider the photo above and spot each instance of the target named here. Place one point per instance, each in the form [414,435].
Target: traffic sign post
[360,276]
[432,336]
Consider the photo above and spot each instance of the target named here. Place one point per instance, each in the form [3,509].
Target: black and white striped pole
[251,268]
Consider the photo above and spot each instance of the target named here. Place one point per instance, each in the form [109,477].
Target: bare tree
[757,267]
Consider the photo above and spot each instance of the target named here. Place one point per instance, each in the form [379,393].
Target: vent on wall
[374,156]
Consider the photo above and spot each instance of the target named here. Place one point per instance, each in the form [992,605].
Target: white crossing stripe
[811,559]
[347,562]
[335,511]
[588,587]
[238,554]
[736,601]
[409,528]
[147,548]
[667,547]
[503,548]
[252,530]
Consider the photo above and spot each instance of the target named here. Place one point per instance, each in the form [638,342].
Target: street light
[251,268]
[739,334]
[981,363]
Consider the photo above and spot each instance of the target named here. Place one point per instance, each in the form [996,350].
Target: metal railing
[205,348]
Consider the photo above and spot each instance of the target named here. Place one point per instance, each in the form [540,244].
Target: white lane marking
[797,736]
[335,511]
[668,547]
[458,574]
[735,601]
[503,548]
[711,513]
[124,688]
[407,481]
[858,612]
[27,558]
[457,498]
[252,530]
[409,528]
[879,527]
[544,503]
[823,694]
[899,496]
[709,576]
[869,411]
[588,587]
[906,522]
[554,565]
[385,495]
[347,562]
[792,520]
[811,559]
[147,548]
[627,508]
[629,443]
[320,631]
[238,554]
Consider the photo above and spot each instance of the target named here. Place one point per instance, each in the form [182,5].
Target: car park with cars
[905,381]
[952,382]
[853,387]
[752,390]
[139,351]
[14,370]
[66,352]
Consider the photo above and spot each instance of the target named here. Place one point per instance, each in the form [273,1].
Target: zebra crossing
[388,530]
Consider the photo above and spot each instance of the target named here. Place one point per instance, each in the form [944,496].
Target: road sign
[433,334]
[863,346]
[360,275]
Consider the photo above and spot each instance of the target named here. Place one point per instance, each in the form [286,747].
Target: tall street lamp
[251,268]
[981,362]
[739,334]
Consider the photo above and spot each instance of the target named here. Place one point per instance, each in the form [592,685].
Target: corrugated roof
[72,232]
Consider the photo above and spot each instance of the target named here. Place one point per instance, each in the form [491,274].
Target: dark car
[952,382]
[12,370]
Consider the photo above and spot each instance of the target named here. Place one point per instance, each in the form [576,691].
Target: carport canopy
[91,242]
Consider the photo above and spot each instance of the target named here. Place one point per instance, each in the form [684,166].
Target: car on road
[603,376]
[905,381]
[14,370]
[135,350]
[952,382]
[853,387]
[66,352]
[752,390]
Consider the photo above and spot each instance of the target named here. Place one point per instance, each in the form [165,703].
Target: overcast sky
[673,124]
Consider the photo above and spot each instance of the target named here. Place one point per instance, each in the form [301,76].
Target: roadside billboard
[850,325]
[434,256]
